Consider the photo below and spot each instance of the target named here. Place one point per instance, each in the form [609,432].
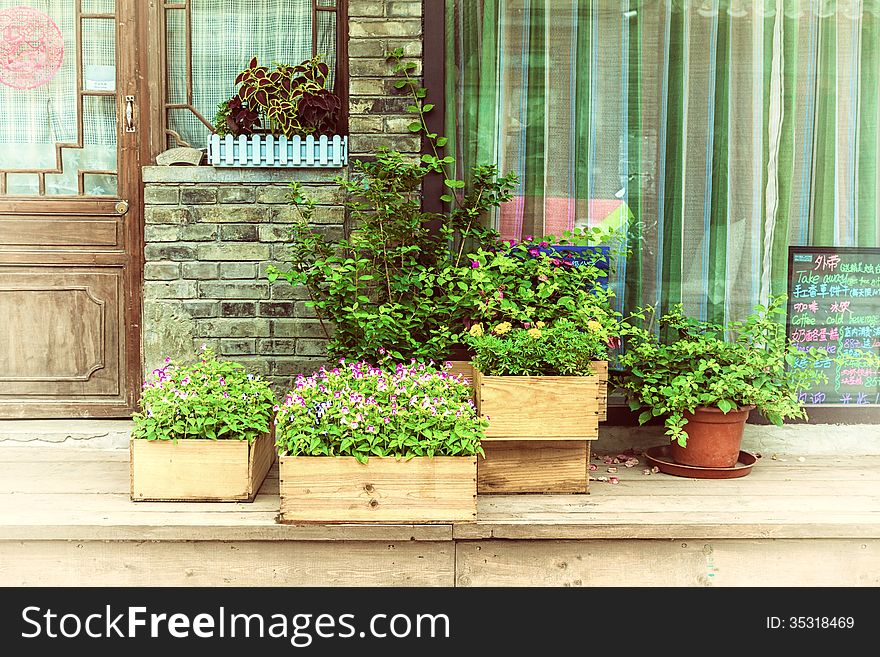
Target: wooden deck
[66,519]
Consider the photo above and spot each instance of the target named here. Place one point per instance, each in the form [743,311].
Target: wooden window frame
[159,104]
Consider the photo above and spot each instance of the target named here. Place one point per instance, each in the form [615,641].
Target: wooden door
[71,235]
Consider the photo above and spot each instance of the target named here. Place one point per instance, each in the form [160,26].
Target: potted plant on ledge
[363,443]
[703,379]
[283,116]
[204,433]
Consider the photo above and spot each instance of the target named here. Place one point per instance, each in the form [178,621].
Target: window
[727,129]
[208,42]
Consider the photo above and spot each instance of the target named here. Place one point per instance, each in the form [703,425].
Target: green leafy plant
[558,349]
[398,281]
[677,363]
[208,398]
[362,410]
[282,99]
[530,282]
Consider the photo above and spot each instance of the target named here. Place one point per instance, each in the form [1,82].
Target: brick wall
[210,233]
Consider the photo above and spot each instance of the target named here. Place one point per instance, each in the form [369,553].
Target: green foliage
[360,410]
[395,283]
[287,100]
[689,363]
[208,398]
[524,283]
[559,349]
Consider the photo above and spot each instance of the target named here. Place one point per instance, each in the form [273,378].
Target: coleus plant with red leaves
[284,99]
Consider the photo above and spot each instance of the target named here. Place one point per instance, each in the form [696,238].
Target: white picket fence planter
[271,151]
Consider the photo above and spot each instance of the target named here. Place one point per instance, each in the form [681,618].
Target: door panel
[70,207]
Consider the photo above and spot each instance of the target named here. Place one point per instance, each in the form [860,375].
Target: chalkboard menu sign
[834,304]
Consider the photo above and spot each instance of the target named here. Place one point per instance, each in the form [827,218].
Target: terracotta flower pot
[714,438]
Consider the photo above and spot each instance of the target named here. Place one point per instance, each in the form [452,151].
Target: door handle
[122,207]
[129,114]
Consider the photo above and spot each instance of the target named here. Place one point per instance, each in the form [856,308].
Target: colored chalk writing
[834,304]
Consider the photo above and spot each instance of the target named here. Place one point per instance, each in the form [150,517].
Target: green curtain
[729,129]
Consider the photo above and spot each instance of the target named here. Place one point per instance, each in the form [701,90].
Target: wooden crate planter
[321,489]
[540,428]
[464,367]
[199,470]
[261,150]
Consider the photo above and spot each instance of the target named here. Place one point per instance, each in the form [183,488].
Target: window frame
[158,62]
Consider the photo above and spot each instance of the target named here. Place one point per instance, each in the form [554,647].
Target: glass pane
[37,83]
[23,183]
[99,53]
[98,6]
[100,184]
[271,30]
[327,41]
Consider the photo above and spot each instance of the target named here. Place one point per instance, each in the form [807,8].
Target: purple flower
[534,252]
[529,238]
[544,245]
[475,264]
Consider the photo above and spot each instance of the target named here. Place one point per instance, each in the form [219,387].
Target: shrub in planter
[543,389]
[203,432]
[364,443]
[701,376]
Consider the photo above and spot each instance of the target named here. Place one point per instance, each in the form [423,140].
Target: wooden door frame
[133,151]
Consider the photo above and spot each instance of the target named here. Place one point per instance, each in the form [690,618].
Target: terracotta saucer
[659,456]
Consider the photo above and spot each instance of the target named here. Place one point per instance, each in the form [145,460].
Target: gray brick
[176,290]
[323,214]
[311,347]
[361,124]
[293,366]
[238,233]
[161,271]
[198,233]
[234,251]
[404,9]
[277,309]
[238,270]
[236,194]
[366,47]
[298,328]
[199,309]
[275,233]
[274,194]
[169,252]
[370,143]
[233,328]
[160,215]
[280,347]
[283,290]
[238,309]
[302,310]
[161,233]
[201,270]
[253,364]
[198,195]
[237,290]
[230,214]
[369,68]
[156,195]
[371,28]
[366,8]
[412,48]
[238,347]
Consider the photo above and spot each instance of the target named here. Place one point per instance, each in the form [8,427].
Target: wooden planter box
[540,428]
[462,367]
[195,470]
[338,489]
[261,150]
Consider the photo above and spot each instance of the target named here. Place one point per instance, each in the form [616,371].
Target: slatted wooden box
[540,429]
[195,470]
[338,489]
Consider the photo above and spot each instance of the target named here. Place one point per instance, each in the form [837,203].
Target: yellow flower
[502,328]
[593,325]
[476,330]
[535,333]
[540,324]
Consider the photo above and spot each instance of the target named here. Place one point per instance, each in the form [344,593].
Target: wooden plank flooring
[66,518]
